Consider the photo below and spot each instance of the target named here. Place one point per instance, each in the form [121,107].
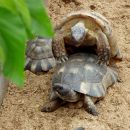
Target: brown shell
[39,56]
[93,21]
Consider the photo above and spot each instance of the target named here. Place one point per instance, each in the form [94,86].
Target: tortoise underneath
[80,78]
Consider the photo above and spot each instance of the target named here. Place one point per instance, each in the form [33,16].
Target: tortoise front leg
[52,105]
[103,48]
[58,48]
[90,106]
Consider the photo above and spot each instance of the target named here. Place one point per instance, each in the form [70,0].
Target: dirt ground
[21,108]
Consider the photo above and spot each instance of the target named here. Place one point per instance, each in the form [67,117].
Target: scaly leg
[115,51]
[89,105]
[58,47]
[103,48]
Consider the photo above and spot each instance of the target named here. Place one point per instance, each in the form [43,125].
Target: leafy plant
[20,20]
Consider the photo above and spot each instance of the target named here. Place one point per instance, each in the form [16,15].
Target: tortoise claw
[49,107]
[119,80]
[52,105]
[66,58]
[102,62]
[62,59]
[103,57]
[93,111]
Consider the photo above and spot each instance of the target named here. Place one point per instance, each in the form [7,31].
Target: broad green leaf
[19,7]
[41,24]
[25,15]
[18,19]
[23,11]
[8,4]
[13,37]
[2,56]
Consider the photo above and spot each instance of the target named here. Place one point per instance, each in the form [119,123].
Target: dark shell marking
[82,74]
[39,56]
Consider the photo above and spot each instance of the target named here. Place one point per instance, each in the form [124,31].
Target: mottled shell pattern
[39,56]
[92,20]
[82,74]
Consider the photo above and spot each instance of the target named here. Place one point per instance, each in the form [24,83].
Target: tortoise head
[78,32]
[65,92]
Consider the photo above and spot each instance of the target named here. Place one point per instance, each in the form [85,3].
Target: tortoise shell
[82,74]
[39,56]
[92,20]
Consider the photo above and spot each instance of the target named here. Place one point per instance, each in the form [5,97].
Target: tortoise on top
[80,78]
[81,29]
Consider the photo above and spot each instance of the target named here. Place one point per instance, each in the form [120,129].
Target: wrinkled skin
[64,94]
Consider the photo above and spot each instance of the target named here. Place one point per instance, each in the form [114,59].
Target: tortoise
[83,29]
[39,56]
[80,78]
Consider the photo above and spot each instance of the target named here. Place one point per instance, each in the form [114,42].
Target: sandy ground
[21,108]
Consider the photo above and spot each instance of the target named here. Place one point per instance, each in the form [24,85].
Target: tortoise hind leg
[115,51]
[90,106]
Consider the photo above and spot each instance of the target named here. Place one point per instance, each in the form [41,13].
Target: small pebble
[128,66]
[79,128]
[92,7]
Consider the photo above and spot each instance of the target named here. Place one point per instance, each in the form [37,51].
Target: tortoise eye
[60,88]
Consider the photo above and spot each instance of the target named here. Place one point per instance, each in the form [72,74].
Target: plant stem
[3,87]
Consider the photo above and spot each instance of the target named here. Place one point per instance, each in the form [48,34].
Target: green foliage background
[20,20]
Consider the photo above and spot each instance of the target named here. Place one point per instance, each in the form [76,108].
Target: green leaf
[2,56]
[16,25]
[8,4]
[41,24]
[19,7]
[24,12]
[12,39]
